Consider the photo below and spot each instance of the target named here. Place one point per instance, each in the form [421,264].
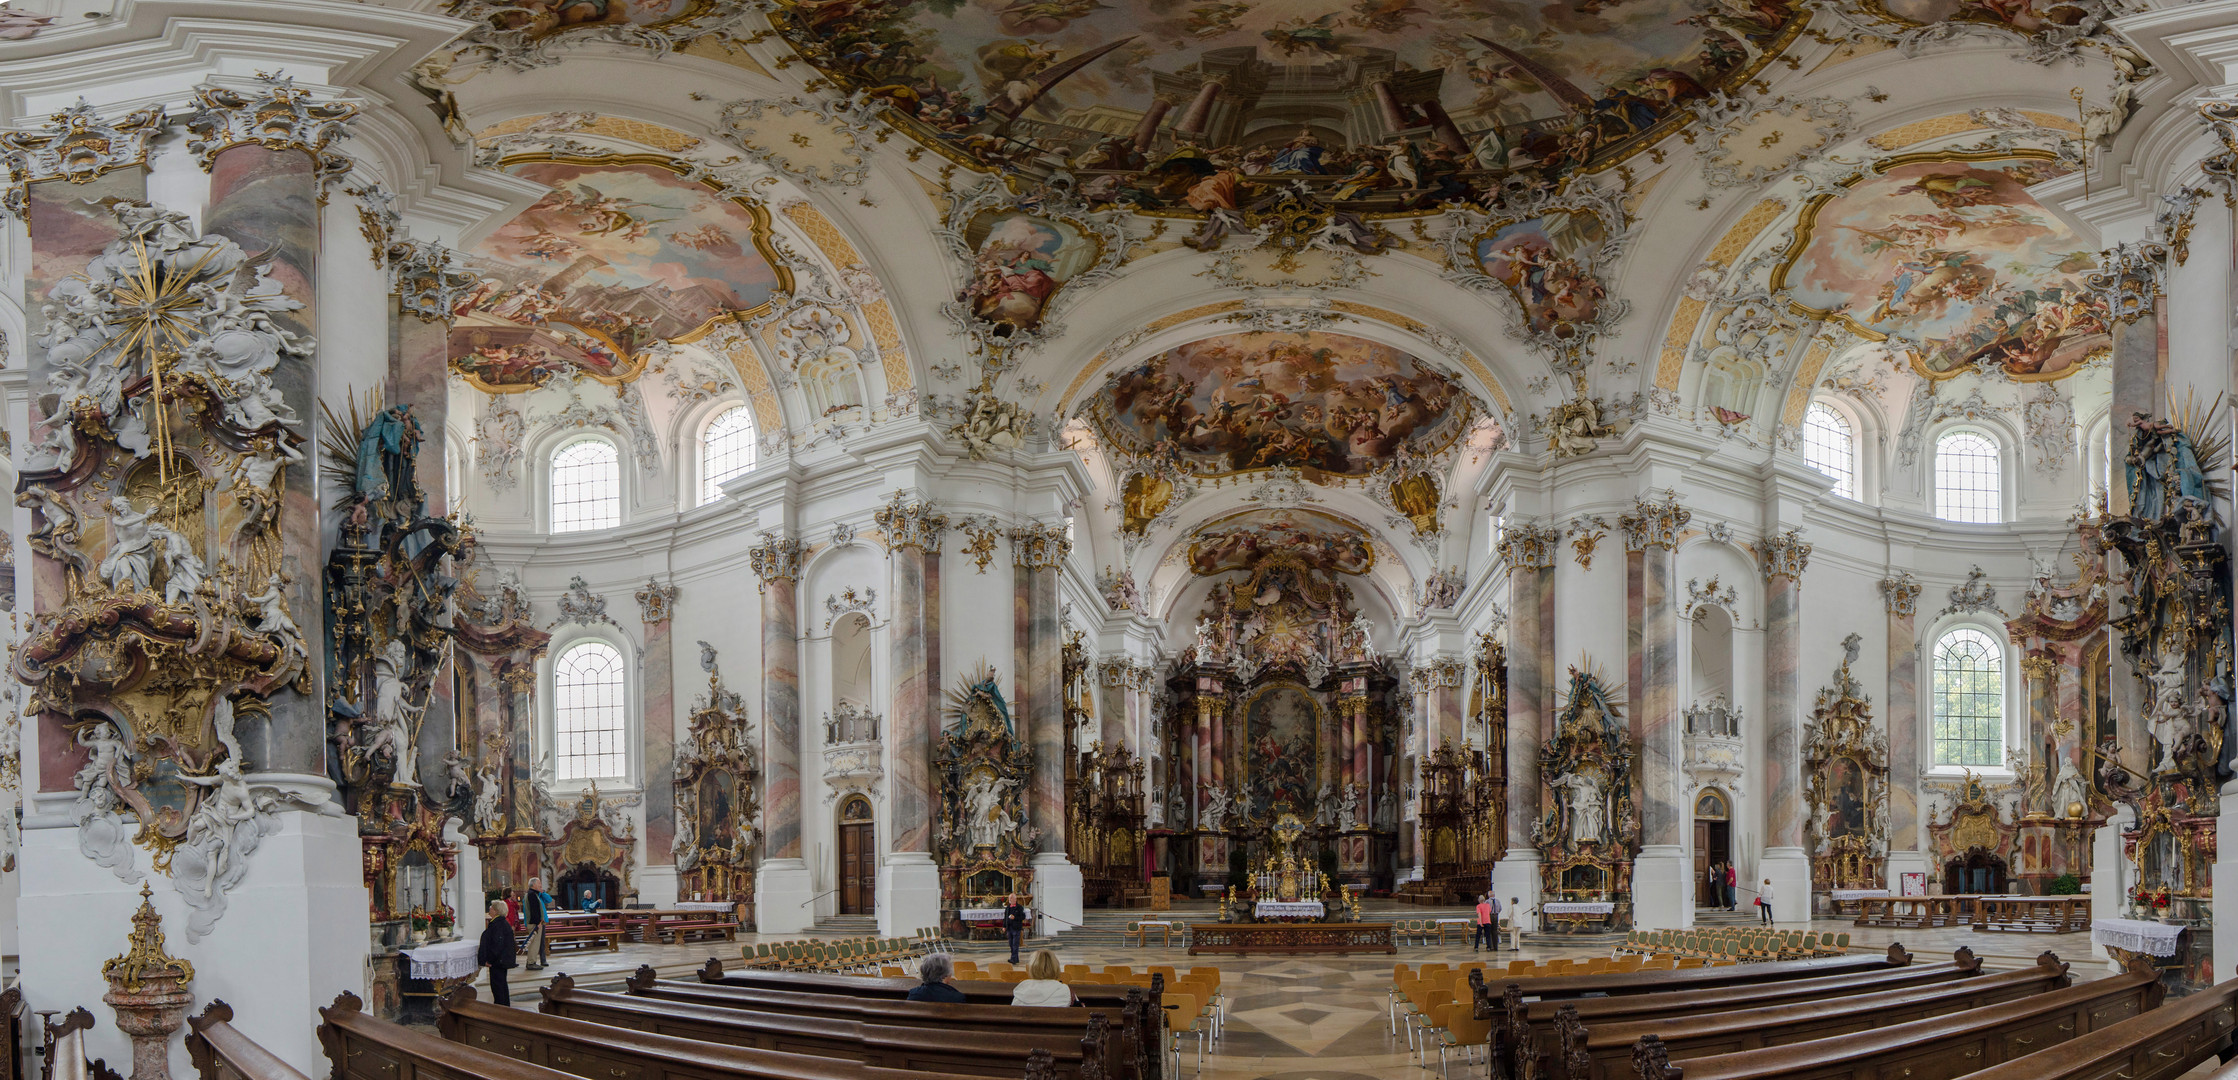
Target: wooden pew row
[221,1053]
[982,992]
[601,1052]
[1655,982]
[2163,1044]
[1608,1047]
[1676,1005]
[1091,1055]
[1938,1048]
[1145,1006]
[364,1048]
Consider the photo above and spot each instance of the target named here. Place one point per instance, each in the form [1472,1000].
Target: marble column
[1662,874]
[1037,551]
[1900,710]
[1445,130]
[1146,131]
[783,891]
[1200,109]
[1784,557]
[1114,704]
[655,604]
[1387,106]
[909,880]
[1529,553]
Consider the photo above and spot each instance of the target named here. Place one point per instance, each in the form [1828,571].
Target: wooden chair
[1133,933]
[1181,1019]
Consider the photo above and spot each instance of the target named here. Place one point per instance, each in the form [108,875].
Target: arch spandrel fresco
[1328,405]
[1949,256]
[623,252]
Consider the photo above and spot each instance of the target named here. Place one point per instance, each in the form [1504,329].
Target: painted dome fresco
[1381,103]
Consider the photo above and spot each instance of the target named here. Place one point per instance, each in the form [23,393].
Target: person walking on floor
[496,952]
[1732,885]
[1487,924]
[1013,923]
[536,905]
[1764,902]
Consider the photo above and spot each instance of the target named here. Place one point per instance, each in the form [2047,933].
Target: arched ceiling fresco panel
[1321,541]
[1369,102]
[1948,254]
[622,253]
[1329,405]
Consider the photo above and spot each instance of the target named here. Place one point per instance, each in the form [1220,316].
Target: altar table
[1578,915]
[1467,927]
[1289,909]
[1276,939]
[2038,914]
[2137,936]
[448,960]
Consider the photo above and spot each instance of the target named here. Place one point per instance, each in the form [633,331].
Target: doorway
[858,858]
[1713,846]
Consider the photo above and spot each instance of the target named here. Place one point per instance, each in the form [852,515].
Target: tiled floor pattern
[1323,1018]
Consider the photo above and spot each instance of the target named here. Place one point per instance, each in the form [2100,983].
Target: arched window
[589,721]
[725,450]
[586,486]
[1969,699]
[1968,477]
[1830,447]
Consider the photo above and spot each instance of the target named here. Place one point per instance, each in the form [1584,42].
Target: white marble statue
[461,779]
[182,569]
[392,712]
[2069,789]
[1582,795]
[1218,804]
[130,563]
[2168,718]
[986,823]
[1325,806]
[685,847]
[1387,809]
[1348,809]
[486,801]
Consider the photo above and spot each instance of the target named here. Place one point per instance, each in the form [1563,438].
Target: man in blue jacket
[534,906]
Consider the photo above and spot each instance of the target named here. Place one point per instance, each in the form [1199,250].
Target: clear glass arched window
[1831,447]
[726,450]
[590,722]
[586,486]
[1969,699]
[1969,478]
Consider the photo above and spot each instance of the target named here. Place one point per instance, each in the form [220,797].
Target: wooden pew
[599,1052]
[363,1048]
[1146,1006]
[221,1053]
[1088,1056]
[2160,1045]
[1547,988]
[1516,1023]
[561,928]
[977,992]
[1609,1046]
[12,1015]
[2032,914]
[1937,1048]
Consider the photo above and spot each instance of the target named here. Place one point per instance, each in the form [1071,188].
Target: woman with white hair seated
[496,952]
[937,972]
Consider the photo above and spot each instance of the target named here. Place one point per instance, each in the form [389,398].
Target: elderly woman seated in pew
[1041,987]
[938,974]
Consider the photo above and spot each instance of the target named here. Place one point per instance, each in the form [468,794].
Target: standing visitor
[496,952]
[1732,885]
[1487,924]
[539,904]
[1013,923]
[1764,902]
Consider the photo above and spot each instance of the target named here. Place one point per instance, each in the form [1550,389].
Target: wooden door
[858,869]
[1702,897]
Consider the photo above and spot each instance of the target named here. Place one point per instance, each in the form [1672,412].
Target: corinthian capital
[1039,547]
[776,558]
[1654,523]
[1785,555]
[910,525]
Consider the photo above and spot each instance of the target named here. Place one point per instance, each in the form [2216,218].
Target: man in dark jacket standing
[1013,923]
[496,952]
[534,907]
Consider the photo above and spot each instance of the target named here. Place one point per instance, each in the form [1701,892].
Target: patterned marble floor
[1323,1018]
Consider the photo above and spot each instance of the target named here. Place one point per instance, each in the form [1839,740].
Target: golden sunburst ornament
[158,315]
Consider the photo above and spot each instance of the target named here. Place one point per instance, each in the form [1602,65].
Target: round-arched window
[726,450]
[586,486]
[590,721]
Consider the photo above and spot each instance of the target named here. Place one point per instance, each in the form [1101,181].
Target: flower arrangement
[441,918]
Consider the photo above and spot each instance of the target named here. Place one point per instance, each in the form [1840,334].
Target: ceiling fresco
[1242,541]
[1949,255]
[622,253]
[1328,405]
[1371,103]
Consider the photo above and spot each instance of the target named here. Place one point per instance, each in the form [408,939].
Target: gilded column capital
[1039,547]
[78,146]
[2038,666]
[1785,555]
[275,115]
[1654,523]
[2221,117]
[776,558]
[910,525]
[2129,278]
[1529,547]
[420,275]
[657,601]
[1901,593]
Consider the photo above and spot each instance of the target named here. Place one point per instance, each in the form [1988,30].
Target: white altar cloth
[704,905]
[981,914]
[1578,907]
[448,960]
[2136,935]
[1276,909]
[1860,894]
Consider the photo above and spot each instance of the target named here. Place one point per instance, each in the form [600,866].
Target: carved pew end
[641,981]
[2050,959]
[712,970]
[1897,955]
[199,1050]
[1652,1060]
[1965,959]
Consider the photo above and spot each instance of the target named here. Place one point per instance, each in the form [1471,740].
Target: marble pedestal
[1662,883]
[1059,892]
[1790,871]
[1516,877]
[908,894]
[784,897]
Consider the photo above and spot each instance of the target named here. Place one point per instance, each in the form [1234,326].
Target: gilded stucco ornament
[579,606]
[816,141]
[1745,141]
[903,523]
[2130,279]
[77,146]
[276,115]
[1900,594]
[524,37]
[1785,555]
[1550,254]
[777,558]
[656,602]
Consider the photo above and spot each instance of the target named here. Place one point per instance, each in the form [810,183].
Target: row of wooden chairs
[837,957]
[1428,931]
[1735,944]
